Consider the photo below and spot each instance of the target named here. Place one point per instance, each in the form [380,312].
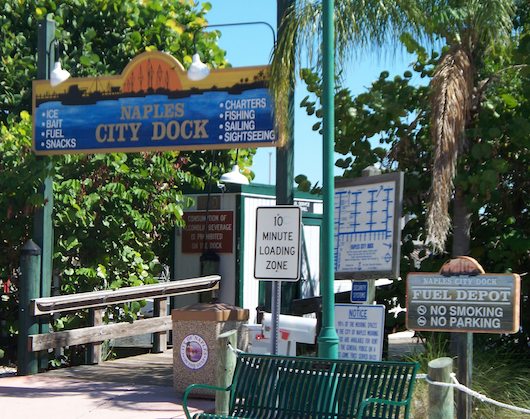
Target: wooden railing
[97,301]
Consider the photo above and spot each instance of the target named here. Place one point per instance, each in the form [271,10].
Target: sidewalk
[135,387]
[129,388]
[51,397]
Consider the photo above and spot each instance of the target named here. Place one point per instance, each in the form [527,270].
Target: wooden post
[441,399]
[159,338]
[225,369]
[94,349]
[30,261]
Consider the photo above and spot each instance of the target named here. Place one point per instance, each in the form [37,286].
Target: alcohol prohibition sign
[278,243]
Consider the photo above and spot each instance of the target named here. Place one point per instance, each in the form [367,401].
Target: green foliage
[97,37]
[499,374]
[389,125]
[113,213]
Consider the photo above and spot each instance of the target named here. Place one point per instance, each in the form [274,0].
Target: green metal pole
[30,261]
[328,340]
[42,222]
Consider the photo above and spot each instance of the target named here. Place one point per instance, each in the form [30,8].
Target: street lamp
[328,340]
[58,74]
[284,160]
[234,176]
[198,70]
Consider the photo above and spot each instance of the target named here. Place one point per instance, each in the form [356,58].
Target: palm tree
[469,29]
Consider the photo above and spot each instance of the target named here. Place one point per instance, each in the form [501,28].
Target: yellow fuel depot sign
[152,105]
[487,303]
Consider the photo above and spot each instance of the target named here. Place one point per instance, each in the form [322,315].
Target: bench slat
[273,386]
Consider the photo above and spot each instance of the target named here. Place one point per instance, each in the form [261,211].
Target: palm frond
[451,98]
[492,22]
[358,24]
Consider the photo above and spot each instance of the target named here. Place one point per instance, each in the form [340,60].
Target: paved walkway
[135,387]
[128,388]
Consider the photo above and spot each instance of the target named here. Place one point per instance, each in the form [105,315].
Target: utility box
[292,329]
[197,331]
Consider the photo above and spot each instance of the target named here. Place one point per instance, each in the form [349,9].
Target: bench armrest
[372,400]
[192,387]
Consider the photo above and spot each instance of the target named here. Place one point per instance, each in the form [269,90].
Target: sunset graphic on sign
[150,75]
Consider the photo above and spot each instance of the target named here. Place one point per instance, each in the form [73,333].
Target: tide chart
[367,214]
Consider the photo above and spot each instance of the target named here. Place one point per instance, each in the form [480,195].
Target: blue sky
[252,45]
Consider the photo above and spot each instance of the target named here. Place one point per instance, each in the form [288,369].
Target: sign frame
[345,186]
[456,287]
[274,218]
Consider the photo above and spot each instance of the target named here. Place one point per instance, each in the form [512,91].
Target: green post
[441,399]
[42,222]
[328,340]
[30,261]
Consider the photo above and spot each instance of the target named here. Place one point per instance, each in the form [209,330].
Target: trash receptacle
[196,332]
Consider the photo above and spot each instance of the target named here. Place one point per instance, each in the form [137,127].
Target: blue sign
[367,226]
[152,106]
[359,292]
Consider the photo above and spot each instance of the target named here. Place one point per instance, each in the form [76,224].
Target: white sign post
[277,253]
[278,243]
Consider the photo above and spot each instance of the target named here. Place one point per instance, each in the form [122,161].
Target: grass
[497,373]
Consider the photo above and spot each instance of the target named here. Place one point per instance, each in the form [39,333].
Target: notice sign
[278,243]
[215,234]
[486,303]
[361,330]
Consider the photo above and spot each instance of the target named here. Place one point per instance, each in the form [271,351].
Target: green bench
[273,386]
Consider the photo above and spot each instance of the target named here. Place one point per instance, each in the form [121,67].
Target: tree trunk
[461,225]
[462,343]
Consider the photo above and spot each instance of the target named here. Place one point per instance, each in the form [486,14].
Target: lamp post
[42,221]
[328,340]
[199,70]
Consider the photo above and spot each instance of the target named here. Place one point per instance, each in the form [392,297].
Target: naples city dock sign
[152,105]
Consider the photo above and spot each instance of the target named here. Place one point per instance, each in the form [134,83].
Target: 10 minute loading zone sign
[487,303]
[278,243]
